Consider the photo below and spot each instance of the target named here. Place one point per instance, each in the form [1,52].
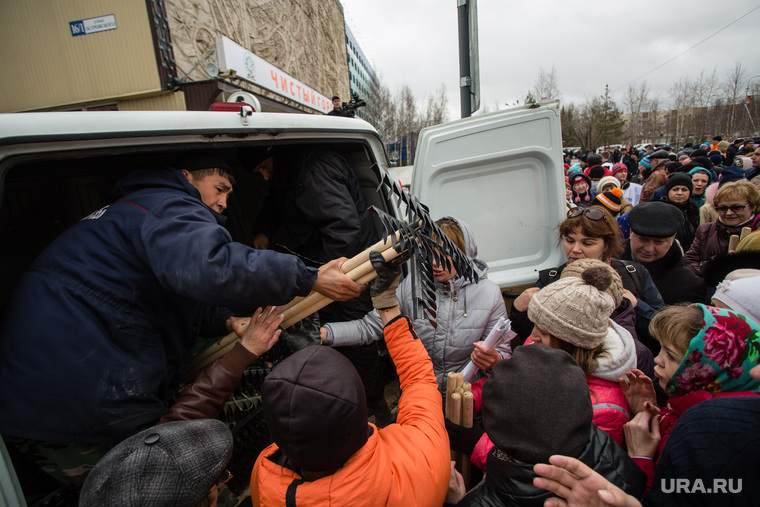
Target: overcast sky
[589,42]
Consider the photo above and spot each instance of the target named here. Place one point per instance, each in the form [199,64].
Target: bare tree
[680,96]
[547,85]
[382,110]
[636,100]
[733,89]
[654,128]
[704,91]
[435,111]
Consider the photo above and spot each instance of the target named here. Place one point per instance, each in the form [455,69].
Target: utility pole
[469,69]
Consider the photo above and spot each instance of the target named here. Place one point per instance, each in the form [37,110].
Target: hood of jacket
[619,354]
[158,180]
[471,248]
[511,483]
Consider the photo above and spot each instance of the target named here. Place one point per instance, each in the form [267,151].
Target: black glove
[463,439]
[383,289]
[302,334]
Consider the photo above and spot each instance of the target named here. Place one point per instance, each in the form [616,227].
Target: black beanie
[198,160]
[315,409]
[594,159]
[679,179]
[537,404]
[596,172]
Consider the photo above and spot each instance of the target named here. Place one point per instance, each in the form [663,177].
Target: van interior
[44,195]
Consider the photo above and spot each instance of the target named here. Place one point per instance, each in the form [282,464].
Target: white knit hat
[605,181]
[576,309]
[740,291]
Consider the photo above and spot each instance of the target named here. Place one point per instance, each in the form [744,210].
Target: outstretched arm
[578,485]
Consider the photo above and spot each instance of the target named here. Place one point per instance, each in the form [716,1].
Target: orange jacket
[404,464]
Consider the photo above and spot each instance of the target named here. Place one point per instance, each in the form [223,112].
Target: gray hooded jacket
[465,313]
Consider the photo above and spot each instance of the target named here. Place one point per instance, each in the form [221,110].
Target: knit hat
[594,159]
[608,180]
[573,179]
[716,159]
[739,292]
[315,409]
[611,199]
[731,173]
[537,387]
[176,463]
[618,167]
[655,219]
[576,268]
[576,309]
[645,162]
[597,172]
[201,160]
[677,179]
[719,356]
[723,146]
[700,169]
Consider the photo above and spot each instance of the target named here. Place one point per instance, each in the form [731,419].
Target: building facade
[171,54]
[361,75]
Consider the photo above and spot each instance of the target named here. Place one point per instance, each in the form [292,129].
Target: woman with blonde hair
[737,204]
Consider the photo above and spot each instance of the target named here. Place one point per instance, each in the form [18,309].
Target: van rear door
[502,173]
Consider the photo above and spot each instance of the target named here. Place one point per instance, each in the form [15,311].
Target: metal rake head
[425,243]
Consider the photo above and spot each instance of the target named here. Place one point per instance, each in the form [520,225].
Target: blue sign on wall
[77,27]
[92,25]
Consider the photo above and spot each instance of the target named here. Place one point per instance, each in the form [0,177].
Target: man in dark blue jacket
[101,327]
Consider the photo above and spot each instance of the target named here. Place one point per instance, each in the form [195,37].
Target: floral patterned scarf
[720,356]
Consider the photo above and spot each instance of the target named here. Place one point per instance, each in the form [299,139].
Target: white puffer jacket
[465,313]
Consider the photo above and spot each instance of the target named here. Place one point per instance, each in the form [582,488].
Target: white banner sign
[254,69]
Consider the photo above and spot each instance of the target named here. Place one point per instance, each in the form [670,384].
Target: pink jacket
[610,414]
[610,408]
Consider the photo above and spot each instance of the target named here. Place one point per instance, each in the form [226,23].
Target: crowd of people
[632,376]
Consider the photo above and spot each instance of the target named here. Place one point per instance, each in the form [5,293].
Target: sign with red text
[251,68]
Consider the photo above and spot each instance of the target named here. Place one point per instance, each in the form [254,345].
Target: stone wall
[305,38]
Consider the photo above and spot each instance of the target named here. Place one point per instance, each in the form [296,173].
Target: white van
[502,173]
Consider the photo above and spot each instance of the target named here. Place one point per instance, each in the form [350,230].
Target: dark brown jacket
[711,239]
[204,398]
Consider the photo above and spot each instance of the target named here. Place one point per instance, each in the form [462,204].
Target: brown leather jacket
[204,398]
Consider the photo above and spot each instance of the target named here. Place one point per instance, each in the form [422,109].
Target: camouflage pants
[67,463]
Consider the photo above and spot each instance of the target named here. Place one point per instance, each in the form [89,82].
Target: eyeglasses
[736,209]
[590,213]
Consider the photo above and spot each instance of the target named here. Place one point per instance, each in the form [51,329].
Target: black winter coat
[685,234]
[676,279]
[510,483]
[317,198]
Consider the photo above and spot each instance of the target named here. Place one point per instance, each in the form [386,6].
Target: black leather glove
[302,334]
[463,439]
[383,289]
